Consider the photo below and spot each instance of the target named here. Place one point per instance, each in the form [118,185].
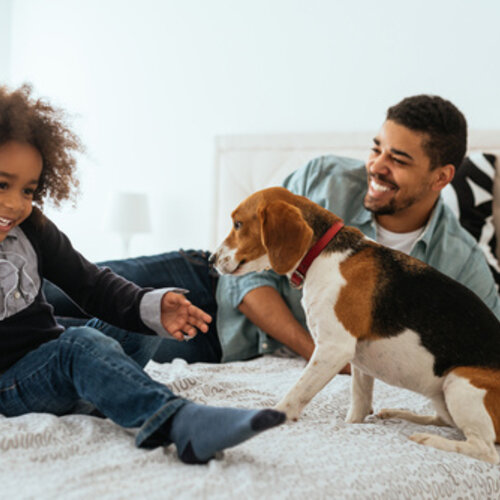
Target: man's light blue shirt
[339,184]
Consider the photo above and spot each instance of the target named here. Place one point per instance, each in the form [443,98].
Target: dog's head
[269,231]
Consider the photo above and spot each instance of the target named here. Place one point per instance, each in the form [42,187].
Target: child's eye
[29,192]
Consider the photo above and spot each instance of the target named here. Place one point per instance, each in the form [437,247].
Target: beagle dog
[390,315]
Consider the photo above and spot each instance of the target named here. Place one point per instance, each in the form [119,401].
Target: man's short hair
[442,122]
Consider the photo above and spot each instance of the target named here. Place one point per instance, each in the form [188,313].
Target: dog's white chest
[321,290]
[400,361]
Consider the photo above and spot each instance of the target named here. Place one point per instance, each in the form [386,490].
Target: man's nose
[379,165]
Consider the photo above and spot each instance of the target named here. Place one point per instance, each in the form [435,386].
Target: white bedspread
[76,457]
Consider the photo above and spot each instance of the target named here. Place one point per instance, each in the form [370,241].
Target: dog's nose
[211,259]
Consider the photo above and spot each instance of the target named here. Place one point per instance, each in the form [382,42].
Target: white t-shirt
[398,241]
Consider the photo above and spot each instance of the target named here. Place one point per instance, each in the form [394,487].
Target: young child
[45,368]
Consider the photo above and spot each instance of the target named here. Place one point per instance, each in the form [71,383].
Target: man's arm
[265,308]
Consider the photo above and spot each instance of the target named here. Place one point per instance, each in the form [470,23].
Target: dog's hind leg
[473,399]
[442,417]
[361,396]
[328,358]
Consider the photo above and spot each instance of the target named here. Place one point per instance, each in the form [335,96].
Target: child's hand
[179,316]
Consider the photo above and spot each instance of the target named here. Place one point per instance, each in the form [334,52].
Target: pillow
[471,198]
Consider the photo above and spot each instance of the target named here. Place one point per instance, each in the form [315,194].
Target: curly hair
[442,122]
[28,120]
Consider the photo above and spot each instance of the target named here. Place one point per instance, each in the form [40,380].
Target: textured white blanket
[77,457]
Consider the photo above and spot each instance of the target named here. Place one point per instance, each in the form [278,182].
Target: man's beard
[388,209]
[394,205]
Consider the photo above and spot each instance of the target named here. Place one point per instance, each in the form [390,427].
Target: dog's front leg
[361,396]
[328,358]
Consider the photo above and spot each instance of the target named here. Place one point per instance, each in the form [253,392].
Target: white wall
[5,38]
[151,82]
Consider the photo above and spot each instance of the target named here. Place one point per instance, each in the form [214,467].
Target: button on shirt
[339,184]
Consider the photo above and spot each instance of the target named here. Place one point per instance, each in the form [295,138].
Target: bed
[320,456]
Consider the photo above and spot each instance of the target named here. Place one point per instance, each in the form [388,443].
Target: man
[394,199]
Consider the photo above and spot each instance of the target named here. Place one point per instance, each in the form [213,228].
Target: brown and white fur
[393,317]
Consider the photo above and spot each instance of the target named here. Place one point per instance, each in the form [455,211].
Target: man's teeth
[5,222]
[379,187]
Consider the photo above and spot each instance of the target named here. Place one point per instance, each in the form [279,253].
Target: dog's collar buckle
[298,276]
[297,279]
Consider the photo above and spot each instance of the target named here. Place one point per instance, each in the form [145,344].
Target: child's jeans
[85,370]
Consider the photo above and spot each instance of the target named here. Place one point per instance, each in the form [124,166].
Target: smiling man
[394,198]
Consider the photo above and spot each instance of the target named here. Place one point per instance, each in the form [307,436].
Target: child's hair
[28,120]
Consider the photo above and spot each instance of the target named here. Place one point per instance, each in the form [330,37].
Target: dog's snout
[212,258]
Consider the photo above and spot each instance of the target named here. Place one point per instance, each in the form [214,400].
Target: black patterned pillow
[473,186]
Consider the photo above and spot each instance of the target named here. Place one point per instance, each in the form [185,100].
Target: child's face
[20,169]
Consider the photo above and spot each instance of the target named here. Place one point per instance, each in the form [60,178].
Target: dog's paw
[356,416]
[291,414]
[422,438]
[386,413]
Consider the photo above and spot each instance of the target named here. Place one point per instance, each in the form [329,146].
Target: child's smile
[20,170]
[6,224]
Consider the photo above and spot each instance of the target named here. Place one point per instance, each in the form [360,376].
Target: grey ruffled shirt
[19,279]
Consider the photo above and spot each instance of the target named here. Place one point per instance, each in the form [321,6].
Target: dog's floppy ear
[285,234]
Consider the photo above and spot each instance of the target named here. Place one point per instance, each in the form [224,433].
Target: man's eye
[237,225]
[376,150]
[399,162]
[3,185]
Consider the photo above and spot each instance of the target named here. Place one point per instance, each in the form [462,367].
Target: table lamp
[129,216]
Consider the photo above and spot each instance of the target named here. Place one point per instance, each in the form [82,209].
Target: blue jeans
[85,370]
[184,269]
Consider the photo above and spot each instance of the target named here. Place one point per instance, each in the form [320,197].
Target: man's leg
[184,269]
[83,364]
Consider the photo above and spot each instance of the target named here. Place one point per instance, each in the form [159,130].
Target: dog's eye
[237,225]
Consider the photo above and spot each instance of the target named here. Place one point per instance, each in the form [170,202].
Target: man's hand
[179,317]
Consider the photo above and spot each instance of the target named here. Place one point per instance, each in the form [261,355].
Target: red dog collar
[300,273]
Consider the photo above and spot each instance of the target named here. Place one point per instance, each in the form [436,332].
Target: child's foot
[200,431]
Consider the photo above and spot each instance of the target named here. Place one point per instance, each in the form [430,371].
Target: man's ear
[444,175]
[285,235]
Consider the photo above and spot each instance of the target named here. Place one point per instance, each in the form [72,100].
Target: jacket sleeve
[97,290]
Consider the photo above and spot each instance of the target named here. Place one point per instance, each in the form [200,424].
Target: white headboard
[247,163]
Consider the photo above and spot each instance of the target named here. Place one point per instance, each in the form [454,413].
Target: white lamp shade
[130,214]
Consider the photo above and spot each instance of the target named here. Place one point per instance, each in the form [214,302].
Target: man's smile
[378,188]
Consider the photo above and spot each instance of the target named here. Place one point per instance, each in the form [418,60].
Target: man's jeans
[85,370]
[185,269]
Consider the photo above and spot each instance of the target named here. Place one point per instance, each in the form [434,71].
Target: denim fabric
[141,348]
[85,367]
[184,269]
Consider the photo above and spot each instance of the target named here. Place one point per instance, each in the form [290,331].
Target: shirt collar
[13,234]
[362,216]
[431,223]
